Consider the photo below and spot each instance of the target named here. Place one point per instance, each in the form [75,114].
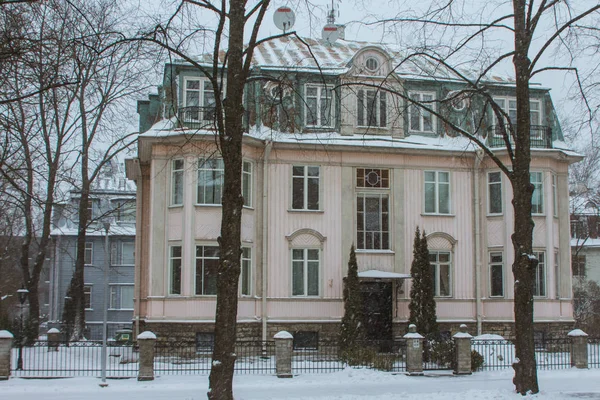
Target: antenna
[284,18]
[331,15]
[331,31]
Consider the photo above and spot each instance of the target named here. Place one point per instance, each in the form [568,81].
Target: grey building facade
[113,201]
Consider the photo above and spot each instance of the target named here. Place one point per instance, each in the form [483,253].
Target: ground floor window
[441,266]
[305,340]
[305,272]
[539,282]
[496,274]
[207,263]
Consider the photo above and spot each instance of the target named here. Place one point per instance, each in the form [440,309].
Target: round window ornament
[372,178]
[284,18]
[330,33]
[372,64]
[458,103]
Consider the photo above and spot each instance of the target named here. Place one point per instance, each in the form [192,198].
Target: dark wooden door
[377,300]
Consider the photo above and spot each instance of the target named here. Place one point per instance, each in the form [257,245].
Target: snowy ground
[349,384]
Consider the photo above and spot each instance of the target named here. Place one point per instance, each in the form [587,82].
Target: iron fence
[553,353]
[497,354]
[439,354]
[594,352]
[176,356]
[83,358]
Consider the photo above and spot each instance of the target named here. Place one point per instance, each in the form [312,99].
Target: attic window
[372,64]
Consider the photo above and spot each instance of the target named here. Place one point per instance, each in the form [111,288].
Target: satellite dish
[284,18]
[331,33]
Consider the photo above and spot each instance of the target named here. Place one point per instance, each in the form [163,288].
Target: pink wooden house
[329,163]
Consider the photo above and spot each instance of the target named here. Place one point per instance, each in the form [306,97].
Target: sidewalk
[350,384]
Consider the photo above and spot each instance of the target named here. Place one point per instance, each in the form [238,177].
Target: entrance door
[377,311]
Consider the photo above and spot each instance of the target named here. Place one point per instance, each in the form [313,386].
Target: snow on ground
[349,384]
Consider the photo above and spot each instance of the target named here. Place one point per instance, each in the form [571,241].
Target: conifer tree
[422,303]
[352,330]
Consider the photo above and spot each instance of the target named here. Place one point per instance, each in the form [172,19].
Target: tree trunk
[221,373]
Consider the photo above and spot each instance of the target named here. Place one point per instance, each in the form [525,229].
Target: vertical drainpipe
[265,231]
[478,266]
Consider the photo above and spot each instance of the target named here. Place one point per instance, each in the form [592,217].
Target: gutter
[265,231]
[478,265]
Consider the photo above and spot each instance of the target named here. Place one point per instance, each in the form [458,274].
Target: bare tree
[445,37]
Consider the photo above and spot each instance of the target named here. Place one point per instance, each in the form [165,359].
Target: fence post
[462,344]
[53,339]
[6,339]
[414,351]
[579,348]
[283,354]
[146,341]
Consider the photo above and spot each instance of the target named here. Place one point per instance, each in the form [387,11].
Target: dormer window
[198,100]
[319,106]
[371,108]
[372,64]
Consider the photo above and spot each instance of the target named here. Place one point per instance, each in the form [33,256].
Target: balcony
[541,137]
[196,117]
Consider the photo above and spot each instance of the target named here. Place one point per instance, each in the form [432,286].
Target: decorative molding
[305,231]
[443,235]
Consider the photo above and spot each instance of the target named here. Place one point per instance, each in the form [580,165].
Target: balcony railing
[541,137]
[197,117]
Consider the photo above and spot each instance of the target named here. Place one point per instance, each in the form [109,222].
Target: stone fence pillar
[414,351]
[53,339]
[462,344]
[579,348]
[6,339]
[283,354]
[146,341]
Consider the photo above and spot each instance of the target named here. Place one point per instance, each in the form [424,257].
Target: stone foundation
[329,331]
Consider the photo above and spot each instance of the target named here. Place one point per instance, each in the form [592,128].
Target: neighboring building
[327,164]
[112,199]
[585,236]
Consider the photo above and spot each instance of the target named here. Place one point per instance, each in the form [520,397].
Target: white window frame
[305,261]
[199,286]
[508,109]
[175,173]
[384,219]
[218,172]
[247,182]
[89,248]
[88,289]
[202,99]
[419,97]
[437,272]
[556,275]
[305,177]
[544,271]
[489,192]
[246,262]
[116,296]
[494,263]
[364,92]
[319,104]
[172,260]
[437,183]
[121,258]
[538,189]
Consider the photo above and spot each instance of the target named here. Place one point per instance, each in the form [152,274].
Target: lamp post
[22,293]
[106,224]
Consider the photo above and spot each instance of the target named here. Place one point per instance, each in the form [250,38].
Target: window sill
[291,210]
[120,309]
[437,215]
[495,215]
[428,133]
[298,296]
[207,205]
[369,251]
[122,265]
[538,215]
[176,206]
[248,208]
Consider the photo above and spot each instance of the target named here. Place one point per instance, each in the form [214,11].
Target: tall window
[371,108]
[421,120]
[509,106]
[177,182]
[207,263]
[247,183]
[437,192]
[211,174]
[539,283]
[537,199]
[441,266]
[125,211]
[554,196]
[556,276]
[175,270]
[88,256]
[496,274]
[372,221]
[305,187]
[127,253]
[199,100]
[246,272]
[319,106]
[121,297]
[305,272]
[578,265]
[87,296]
[495,193]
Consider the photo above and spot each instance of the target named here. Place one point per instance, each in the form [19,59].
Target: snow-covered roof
[115,230]
[586,242]
[310,55]
[376,274]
